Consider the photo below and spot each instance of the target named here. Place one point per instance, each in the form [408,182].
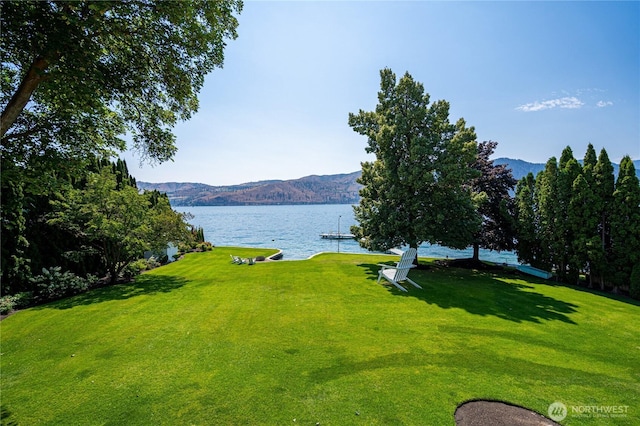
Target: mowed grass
[206,342]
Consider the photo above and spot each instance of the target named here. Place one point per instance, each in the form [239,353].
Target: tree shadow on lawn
[480,293]
[143,285]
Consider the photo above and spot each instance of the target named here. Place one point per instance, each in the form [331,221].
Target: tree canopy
[117,223]
[580,221]
[77,75]
[495,183]
[418,188]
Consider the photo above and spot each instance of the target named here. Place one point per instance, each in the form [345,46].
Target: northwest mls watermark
[559,411]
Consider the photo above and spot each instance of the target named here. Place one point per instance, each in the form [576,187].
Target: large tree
[568,171]
[625,224]
[583,226]
[496,208]
[77,75]
[546,200]
[527,218]
[418,188]
[118,224]
[604,185]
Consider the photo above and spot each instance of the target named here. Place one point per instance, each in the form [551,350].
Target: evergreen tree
[567,176]
[604,185]
[625,224]
[528,245]
[634,286]
[583,224]
[590,158]
[584,217]
[418,188]
[546,198]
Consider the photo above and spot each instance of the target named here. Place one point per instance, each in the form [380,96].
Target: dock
[337,236]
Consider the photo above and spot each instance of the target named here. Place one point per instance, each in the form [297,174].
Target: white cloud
[568,102]
[602,104]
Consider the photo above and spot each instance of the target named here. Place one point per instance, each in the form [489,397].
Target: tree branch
[19,100]
[7,137]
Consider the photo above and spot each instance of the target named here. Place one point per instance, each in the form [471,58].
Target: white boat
[337,236]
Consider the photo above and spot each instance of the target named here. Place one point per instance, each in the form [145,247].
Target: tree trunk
[415,260]
[19,100]
[113,278]
[476,252]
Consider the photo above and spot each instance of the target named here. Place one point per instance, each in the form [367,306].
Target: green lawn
[206,342]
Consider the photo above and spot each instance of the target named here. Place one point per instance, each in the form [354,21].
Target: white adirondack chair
[398,273]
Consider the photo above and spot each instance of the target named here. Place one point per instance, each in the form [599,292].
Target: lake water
[296,230]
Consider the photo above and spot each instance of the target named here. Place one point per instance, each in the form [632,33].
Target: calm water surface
[296,230]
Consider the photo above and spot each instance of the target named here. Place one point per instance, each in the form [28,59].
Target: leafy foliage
[76,77]
[417,190]
[496,207]
[117,224]
[78,74]
[54,284]
[15,301]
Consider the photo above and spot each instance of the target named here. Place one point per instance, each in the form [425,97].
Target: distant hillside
[330,189]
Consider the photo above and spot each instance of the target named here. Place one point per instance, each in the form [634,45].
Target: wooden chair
[398,273]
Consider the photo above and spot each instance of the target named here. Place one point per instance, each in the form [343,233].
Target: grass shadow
[5,417]
[609,295]
[481,293]
[143,285]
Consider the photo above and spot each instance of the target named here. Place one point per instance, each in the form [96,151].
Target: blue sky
[533,76]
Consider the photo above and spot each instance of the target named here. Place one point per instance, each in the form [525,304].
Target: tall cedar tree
[567,176]
[583,224]
[418,188]
[604,185]
[568,171]
[589,228]
[546,198]
[528,245]
[625,223]
[497,207]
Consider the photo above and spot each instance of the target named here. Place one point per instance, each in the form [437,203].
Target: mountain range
[314,189]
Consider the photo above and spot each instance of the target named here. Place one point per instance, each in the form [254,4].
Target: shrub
[15,301]
[206,246]
[134,268]
[152,263]
[184,248]
[55,284]
[7,304]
